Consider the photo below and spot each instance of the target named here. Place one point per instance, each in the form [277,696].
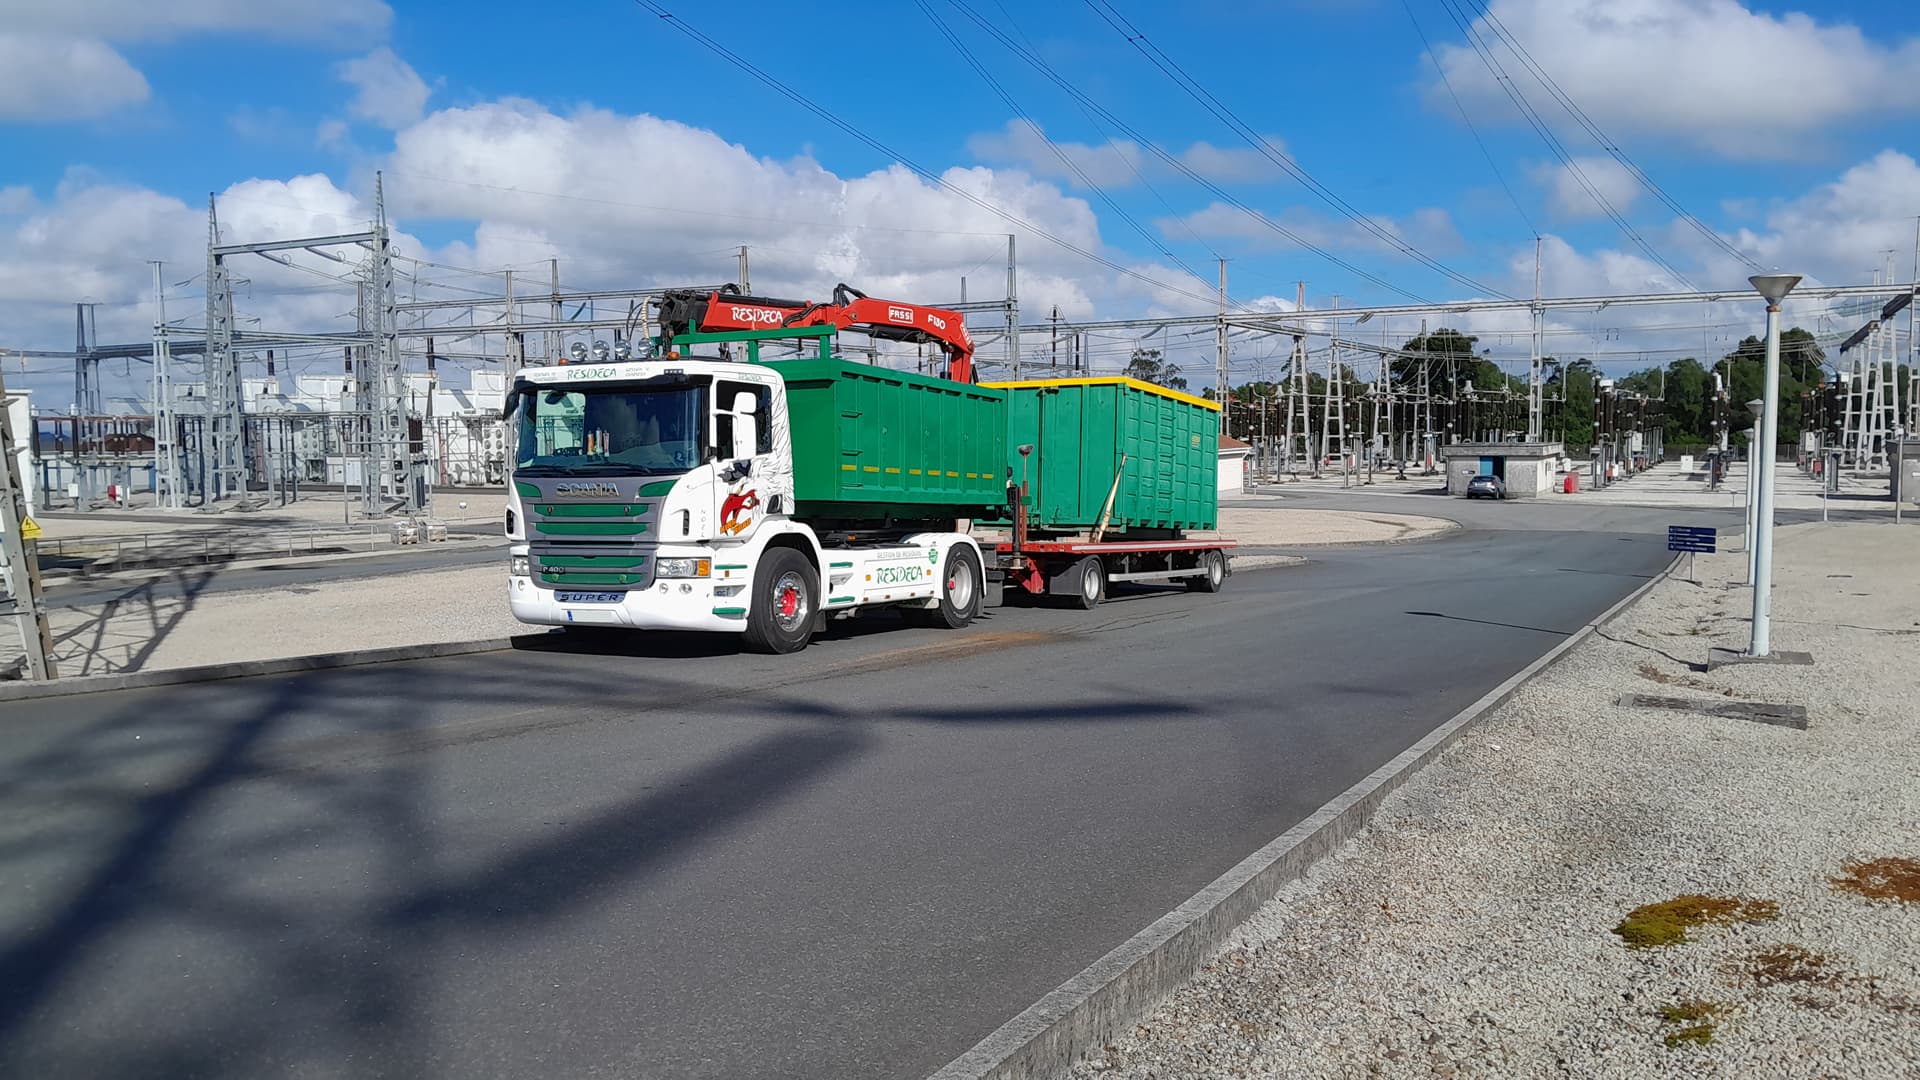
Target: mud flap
[994,593]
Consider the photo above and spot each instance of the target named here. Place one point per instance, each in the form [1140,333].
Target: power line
[1467,120]
[873,143]
[1554,145]
[1172,214]
[1073,166]
[1580,116]
[1047,70]
[1179,76]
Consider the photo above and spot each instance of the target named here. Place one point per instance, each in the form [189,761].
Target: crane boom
[727,308]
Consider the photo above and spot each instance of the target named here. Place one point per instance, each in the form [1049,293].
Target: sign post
[1693,540]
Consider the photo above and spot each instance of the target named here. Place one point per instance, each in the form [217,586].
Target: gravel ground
[1469,930]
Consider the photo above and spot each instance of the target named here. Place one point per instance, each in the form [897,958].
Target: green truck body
[872,443]
[1081,430]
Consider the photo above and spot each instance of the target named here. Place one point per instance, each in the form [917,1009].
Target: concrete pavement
[675,860]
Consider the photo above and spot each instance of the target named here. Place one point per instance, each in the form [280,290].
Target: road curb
[1082,1013]
[140,680]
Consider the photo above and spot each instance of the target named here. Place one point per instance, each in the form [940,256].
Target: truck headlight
[682,568]
[517,567]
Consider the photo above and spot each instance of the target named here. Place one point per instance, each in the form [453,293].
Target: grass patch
[1652,926]
[1648,671]
[1881,879]
[1696,1020]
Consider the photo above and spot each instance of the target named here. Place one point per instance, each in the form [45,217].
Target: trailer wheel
[781,611]
[1214,573]
[1093,583]
[960,603]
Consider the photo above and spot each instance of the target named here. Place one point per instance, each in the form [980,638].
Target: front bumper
[667,604]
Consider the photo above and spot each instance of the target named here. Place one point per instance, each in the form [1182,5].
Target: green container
[871,443]
[1080,428]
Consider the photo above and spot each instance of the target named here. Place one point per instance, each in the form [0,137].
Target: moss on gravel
[1652,926]
[1697,1020]
[1881,879]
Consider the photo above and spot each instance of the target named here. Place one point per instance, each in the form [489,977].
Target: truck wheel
[780,612]
[1093,583]
[961,602]
[1214,573]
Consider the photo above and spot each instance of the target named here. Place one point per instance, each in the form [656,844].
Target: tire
[960,601]
[1093,583]
[784,603]
[1215,565]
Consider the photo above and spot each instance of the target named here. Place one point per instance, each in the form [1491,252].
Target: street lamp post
[1773,288]
[1756,407]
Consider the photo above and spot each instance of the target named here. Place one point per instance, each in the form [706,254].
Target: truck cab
[658,494]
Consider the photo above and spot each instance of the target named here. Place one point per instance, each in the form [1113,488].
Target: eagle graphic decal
[736,511]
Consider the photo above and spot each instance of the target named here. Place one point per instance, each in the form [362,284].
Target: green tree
[1149,365]
[1436,362]
[1688,396]
[1745,372]
[1575,383]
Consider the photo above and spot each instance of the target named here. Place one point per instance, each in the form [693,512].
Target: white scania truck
[699,490]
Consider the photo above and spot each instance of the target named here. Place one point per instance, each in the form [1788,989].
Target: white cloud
[1568,197]
[1708,71]
[92,240]
[56,62]
[616,216]
[1430,229]
[887,231]
[16,199]
[330,134]
[59,77]
[144,20]
[1117,164]
[391,93]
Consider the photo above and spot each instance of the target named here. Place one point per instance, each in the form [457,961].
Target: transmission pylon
[166,428]
[1299,436]
[226,417]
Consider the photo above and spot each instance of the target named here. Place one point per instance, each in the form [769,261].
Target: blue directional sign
[1702,541]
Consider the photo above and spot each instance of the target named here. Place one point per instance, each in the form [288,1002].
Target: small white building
[1527,468]
[1235,459]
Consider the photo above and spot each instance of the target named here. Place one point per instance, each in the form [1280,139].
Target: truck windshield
[610,430]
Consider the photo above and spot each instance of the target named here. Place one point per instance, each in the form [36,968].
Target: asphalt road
[673,860]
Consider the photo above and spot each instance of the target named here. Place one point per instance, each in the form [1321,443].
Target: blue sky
[117,117]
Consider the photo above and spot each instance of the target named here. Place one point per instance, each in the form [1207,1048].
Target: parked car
[1488,487]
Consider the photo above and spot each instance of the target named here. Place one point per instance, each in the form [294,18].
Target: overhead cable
[788,92]
[1174,161]
[1207,99]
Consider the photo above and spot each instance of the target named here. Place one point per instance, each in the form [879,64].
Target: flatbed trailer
[1082,570]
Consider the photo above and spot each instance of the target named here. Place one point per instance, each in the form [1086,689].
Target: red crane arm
[728,309]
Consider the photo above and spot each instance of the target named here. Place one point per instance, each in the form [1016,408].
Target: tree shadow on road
[200,895]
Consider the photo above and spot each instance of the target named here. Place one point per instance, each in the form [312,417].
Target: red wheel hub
[789,602]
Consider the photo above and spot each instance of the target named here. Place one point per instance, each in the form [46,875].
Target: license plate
[590,597]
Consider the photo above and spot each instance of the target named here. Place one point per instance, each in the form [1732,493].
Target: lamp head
[1774,287]
[1756,407]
